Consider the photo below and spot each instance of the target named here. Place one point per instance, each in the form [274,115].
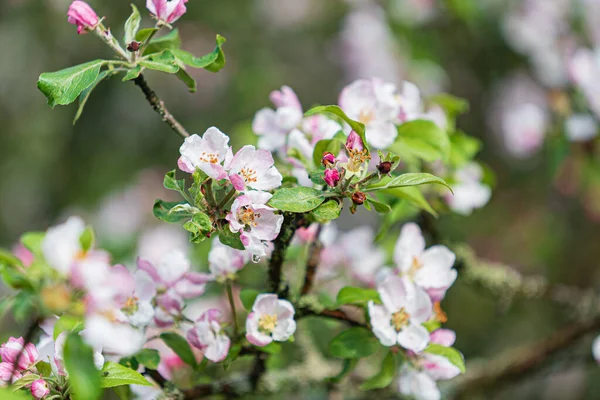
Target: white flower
[251,168]
[418,384]
[208,336]
[270,319]
[429,269]
[61,246]
[398,321]
[273,125]
[596,349]
[256,221]
[206,152]
[469,192]
[112,336]
[524,129]
[224,261]
[57,356]
[374,103]
[581,127]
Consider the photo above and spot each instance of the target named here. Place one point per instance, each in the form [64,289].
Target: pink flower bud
[332,177]
[354,142]
[81,14]
[39,389]
[10,350]
[28,357]
[328,159]
[167,10]
[6,372]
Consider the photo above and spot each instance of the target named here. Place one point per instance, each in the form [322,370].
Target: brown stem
[515,363]
[314,257]
[159,106]
[291,222]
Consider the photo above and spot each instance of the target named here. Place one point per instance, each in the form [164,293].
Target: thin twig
[314,257]
[291,222]
[159,106]
[233,311]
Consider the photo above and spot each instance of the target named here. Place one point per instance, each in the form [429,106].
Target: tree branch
[159,106]
[314,257]
[291,222]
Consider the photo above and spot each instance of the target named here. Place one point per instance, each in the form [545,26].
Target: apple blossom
[167,11]
[256,221]
[81,14]
[113,336]
[273,125]
[328,159]
[206,153]
[224,261]
[524,128]
[331,177]
[271,319]
[596,349]
[61,246]
[23,254]
[469,192]
[357,155]
[581,127]
[418,384]
[372,102]
[251,168]
[445,337]
[429,269]
[584,67]
[7,372]
[136,306]
[398,321]
[14,348]
[208,336]
[39,389]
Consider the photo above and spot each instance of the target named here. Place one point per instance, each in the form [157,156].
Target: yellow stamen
[440,315]
[400,319]
[267,323]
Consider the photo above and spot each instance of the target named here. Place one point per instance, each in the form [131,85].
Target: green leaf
[87,239]
[163,211]
[326,145]
[234,352]
[327,211]
[421,139]
[9,259]
[85,94]
[299,199]
[84,378]
[33,241]
[452,105]
[463,148]
[132,25]
[385,376]
[8,394]
[123,392]
[335,110]
[144,34]
[318,176]
[180,346]
[67,323]
[271,348]
[163,61]
[348,366]
[414,196]
[150,358]
[453,355]
[408,179]
[379,207]
[62,87]
[169,182]
[14,278]
[432,325]
[356,342]
[43,368]
[114,374]
[212,61]
[24,381]
[170,41]
[133,73]
[231,239]
[248,296]
[199,226]
[356,295]
[187,79]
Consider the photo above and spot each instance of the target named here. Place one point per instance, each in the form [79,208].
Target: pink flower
[398,321]
[445,337]
[373,103]
[255,220]
[251,168]
[224,261]
[6,372]
[332,177]
[81,14]
[273,125]
[206,153]
[271,319]
[429,269]
[13,348]
[39,389]
[208,336]
[354,142]
[167,11]
[23,254]
[328,159]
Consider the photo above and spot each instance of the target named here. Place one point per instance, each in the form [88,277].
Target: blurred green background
[50,168]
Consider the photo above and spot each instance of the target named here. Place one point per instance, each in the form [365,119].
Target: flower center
[356,158]
[267,323]
[366,115]
[131,305]
[400,319]
[249,175]
[81,255]
[209,158]
[414,267]
[247,216]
